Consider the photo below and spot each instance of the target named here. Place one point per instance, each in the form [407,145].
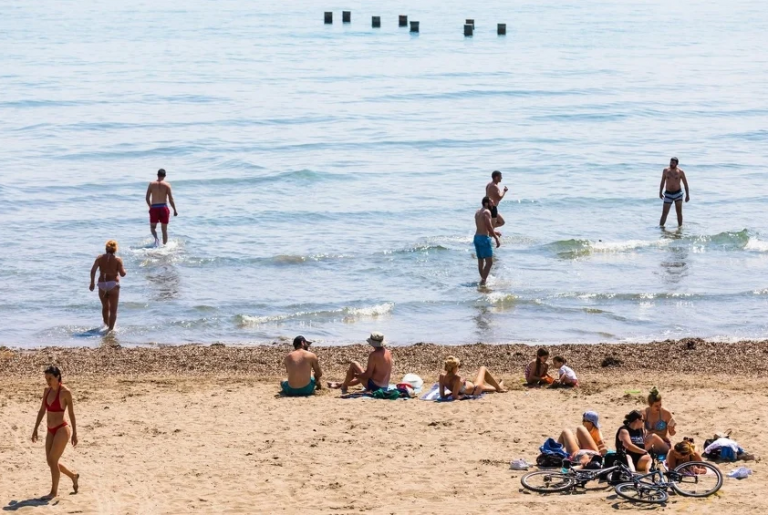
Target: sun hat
[376,340]
[592,416]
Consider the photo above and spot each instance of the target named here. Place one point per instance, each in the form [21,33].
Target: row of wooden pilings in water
[469,25]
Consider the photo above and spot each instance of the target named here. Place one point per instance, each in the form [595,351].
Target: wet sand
[183,429]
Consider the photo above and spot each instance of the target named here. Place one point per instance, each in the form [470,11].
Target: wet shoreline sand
[193,428]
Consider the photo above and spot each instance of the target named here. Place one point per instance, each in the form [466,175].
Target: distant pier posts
[328,17]
[470,22]
[376,22]
[346,16]
[414,26]
[402,20]
[468,30]
[501,29]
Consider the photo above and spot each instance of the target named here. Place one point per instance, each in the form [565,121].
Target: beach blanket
[434,395]
[392,393]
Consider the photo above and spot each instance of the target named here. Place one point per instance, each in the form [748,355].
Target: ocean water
[326,176]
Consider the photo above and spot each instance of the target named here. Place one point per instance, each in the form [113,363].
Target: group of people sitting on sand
[642,432]
[537,372]
[304,373]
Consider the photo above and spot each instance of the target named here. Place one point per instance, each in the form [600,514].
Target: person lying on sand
[376,374]
[587,442]
[458,387]
[536,371]
[566,376]
[659,421]
[299,365]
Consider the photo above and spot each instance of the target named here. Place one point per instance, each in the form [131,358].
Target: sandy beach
[202,429]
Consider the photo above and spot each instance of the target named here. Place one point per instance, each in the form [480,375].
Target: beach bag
[546,461]
[552,454]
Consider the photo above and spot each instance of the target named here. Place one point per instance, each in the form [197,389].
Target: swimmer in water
[495,192]
[56,399]
[159,195]
[110,269]
[484,231]
[671,178]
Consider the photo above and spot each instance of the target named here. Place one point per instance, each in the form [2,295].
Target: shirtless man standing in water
[494,191]
[672,177]
[483,234]
[160,194]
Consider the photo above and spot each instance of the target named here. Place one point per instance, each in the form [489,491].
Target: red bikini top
[55,406]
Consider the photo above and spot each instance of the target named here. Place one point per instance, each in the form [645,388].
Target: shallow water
[326,176]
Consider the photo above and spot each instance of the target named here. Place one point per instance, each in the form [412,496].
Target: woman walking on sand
[57,398]
[110,269]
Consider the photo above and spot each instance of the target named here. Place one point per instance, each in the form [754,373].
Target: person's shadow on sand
[37,501]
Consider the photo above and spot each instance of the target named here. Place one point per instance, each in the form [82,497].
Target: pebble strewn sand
[688,355]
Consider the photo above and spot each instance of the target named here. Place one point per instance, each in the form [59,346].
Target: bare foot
[75,480]
[333,384]
[49,497]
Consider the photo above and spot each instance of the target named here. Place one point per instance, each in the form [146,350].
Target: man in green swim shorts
[299,364]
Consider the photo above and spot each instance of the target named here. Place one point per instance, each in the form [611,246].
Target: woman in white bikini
[56,399]
[458,387]
[110,269]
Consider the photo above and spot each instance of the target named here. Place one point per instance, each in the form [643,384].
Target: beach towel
[434,395]
[392,393]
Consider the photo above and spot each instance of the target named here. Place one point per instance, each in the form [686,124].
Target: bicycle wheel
[696,479]
[642,492]
[547,482]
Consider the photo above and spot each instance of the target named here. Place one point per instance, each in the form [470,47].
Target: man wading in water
[673,176]
[160,194]
[496,193]
[483,234]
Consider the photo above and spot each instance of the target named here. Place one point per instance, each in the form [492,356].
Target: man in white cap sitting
[376,375]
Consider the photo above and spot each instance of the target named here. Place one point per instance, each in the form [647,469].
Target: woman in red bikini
[57,398]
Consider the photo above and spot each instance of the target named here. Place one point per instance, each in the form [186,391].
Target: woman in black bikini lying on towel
[458,387]
[56,399]
[110,270]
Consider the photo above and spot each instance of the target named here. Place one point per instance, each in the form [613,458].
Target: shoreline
[689,355]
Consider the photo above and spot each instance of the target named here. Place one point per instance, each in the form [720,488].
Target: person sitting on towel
[376,374]
[458,387]
[299,364]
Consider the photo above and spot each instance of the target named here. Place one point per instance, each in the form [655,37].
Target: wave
[575,248]
[347,314]
[303,175]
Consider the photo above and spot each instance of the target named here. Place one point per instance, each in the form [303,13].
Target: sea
[326,176]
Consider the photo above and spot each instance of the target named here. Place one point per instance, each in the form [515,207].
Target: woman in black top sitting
[632,439]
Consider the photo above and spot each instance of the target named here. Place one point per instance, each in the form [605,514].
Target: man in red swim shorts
[159,194]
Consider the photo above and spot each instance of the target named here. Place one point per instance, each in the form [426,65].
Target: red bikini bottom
[53,430]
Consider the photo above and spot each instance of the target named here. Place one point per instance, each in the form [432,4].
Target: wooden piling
[414,26]
[328,17]
[468,30]
[376,22]
[402,20]
[502,29]
[470,22]
[346,16]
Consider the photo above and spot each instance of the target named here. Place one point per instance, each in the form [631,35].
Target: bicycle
[545,481]
[691,479]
